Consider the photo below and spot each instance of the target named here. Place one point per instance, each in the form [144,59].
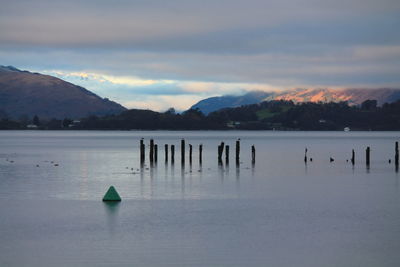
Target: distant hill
[352,96]
[214,103]
[23,93]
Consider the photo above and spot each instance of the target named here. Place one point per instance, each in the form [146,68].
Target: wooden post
[238,151]
[305,155]
[200,154]
[144,152]
[396,155]
[190,153]
[367,155]
[151,153]
[172,154]
[166,152]
[155,152]
[253,154]
[227,154]
[183,151]
[142,147]
[353,157]
[220,151]
[219,154]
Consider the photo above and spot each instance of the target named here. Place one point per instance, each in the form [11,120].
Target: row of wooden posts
[153,152]
[367,156]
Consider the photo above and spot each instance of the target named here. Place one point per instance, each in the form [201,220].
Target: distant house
[230,124]
[31,126]
[74,123]
[233,124]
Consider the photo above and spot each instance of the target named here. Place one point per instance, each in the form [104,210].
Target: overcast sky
[158,54]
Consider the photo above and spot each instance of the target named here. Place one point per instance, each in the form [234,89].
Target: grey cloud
[282,43]
[156,24]
[157,89]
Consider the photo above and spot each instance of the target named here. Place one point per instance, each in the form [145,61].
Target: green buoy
[111,195]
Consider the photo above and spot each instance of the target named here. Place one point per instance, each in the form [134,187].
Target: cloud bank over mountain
[219,47]
[353,96]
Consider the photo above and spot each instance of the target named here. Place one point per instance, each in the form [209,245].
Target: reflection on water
[221,172]
[305,168]
[111,208]
[202,213]
[103,159]
[183,186]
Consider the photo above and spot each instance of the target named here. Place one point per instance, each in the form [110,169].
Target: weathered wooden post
[155,152]
[226,154]
[142,147]
[353,157]
[144,153]
[151,153]
[200,154]
[183,151]
[396,155]
[220,152]
[166,152]
[253,154]
[367,155]
[172,154]
[238,151]
[190,153]
[305,155]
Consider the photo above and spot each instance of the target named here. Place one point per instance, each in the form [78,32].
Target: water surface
[277,212]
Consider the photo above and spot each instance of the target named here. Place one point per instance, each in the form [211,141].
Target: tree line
[268,115]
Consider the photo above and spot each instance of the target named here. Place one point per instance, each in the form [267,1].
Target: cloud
[146,93]
[192,25]
[163,102]
[142,51]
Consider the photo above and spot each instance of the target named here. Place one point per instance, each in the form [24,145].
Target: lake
[276,212]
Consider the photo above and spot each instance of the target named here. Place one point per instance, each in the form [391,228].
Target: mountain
[352,96]
[214,103]
[23,93]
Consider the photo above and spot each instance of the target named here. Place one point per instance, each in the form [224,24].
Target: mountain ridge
[23,93]
[354,96]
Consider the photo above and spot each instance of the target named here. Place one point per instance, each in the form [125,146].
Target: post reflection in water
[183,180]
[166,169]
[221,171]
[190,176]
[200,171]
[253,167]
[153,173]
[305,168]
[238,180]
[141,179]
[112,209]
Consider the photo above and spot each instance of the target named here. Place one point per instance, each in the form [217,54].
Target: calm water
[279,212]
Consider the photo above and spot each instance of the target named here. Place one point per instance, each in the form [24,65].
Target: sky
[157,54]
